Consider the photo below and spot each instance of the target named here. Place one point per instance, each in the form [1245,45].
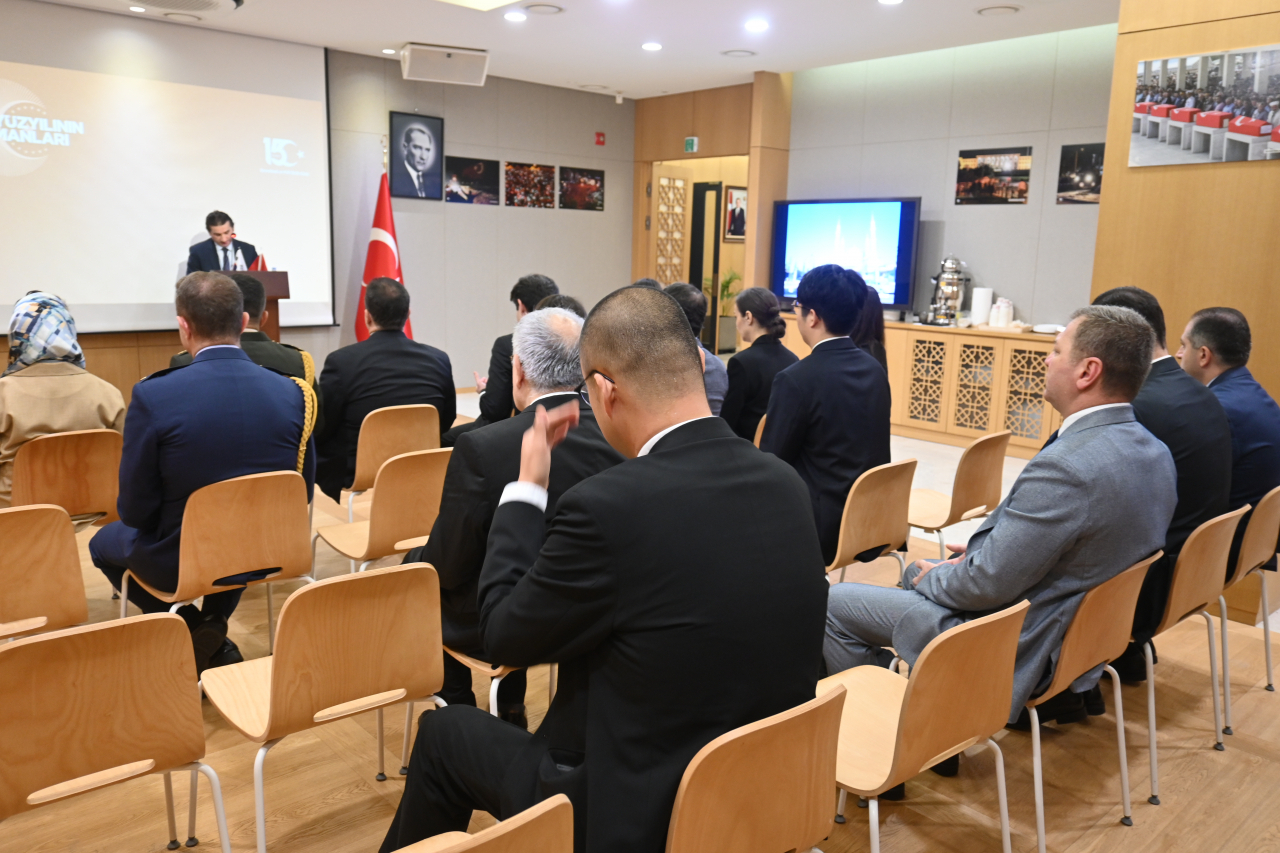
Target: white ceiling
[597,42]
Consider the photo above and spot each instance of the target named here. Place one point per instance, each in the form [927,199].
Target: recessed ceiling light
[136,9]
[543,9]
[737,54]
[890,2]
[651,45]
[182,16]
[756,25]
[389,51]
[999,10]
[516,16]
[593,87]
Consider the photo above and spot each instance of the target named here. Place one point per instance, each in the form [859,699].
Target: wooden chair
[39,571]
[406,501]
[1197,581]
[1098,634]
[875,516]
[1257,548]
[348,644]
[544,828]
[255,523]
[99,705]
[759,431]
[387,432]
[78,471]
[978,486]
[764,787]
[958,694]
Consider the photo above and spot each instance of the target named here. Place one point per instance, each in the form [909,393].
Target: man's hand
[926,566]
[548,430]
[481,382]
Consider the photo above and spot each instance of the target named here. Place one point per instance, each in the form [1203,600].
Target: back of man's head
[532,289]
[1137,299]
[835,293]
[1225,331]
[387,302]
[255,295]
[640,339]
[651,283]
[1122,340]
[560,300]
[212,305]
[692,301]
[546,342]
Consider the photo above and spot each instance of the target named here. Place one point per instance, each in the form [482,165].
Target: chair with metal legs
[544,828]
[43,589]
[386,432]
[78,471]
[1099,633]
[958,695]
[978,486]
[875,517]
[100,705]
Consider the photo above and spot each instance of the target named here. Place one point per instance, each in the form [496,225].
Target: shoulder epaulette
[166,371]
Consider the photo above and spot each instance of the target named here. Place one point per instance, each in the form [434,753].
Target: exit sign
[691,145]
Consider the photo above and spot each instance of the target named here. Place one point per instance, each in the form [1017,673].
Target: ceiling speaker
[438,64]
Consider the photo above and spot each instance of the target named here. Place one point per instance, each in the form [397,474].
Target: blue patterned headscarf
[42,329]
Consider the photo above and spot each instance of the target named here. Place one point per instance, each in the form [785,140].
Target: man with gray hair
[545,372]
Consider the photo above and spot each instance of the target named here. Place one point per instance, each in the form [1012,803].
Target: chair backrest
[763,788]
[406,499]
[92,706]
[959,692]
[759,431]
[979,480]
[875,513]
[41,587]
[1101,628]
[1259,543]
[78,471]
[355,642]
[246,524]
[1201,571]
[544,828]
[391,431]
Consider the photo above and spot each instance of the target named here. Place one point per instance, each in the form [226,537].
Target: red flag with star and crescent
[383,260]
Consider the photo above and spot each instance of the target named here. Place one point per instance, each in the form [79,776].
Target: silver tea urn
[949,287]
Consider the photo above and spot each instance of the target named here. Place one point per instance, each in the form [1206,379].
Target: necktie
[1051,440]
[226,258]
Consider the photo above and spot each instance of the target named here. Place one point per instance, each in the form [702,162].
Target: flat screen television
[876,237]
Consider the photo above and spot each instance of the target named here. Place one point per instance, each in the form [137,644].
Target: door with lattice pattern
[670,215]
[1025,413]
[930,377]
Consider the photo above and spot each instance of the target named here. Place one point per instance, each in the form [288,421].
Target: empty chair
[41,587]
[348,644]
[1099,633]
[386,432]
[958,694]
[875,517]
[764,787]
[102,704]
[544,828]
[78,471]
[976,492]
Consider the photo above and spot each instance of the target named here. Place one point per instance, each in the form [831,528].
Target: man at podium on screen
[222,252]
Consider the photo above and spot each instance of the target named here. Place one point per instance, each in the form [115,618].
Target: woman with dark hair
[868,330]
[751,371]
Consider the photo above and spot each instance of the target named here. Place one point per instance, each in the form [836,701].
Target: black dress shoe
[896,793]
[207,639]
[1132,665]
[227,655]
[947,767]
[515,714]
[1095,704]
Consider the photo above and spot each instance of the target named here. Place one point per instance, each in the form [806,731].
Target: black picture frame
[412,171]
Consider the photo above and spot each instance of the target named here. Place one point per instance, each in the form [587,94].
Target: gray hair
[1122,340]
[547,343]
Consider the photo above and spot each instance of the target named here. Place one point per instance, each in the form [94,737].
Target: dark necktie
[1051,440]
[226,258]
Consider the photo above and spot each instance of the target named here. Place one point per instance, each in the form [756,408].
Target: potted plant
[728,330]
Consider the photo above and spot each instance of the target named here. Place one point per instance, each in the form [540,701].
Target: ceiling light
[543,9]
[516,16]
[136,9]
[890,2]
[738,54]
[593,87]
[651,45]
[756,25]
[389,51]
[179,16]
[990,11]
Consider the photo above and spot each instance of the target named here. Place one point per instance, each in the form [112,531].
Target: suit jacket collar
[1104,417]
[1234,374]
[213,354]
[1164,366]
[702,429]
[828,345]
[48,368]
[768,341]
[255,336]
[551,401]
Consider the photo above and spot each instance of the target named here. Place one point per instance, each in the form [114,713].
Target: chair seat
[410,544]
[349,540]
[437,843]
[929,509]
[172,597]
[867,727]
[22,626]
[488,670]
[242,693]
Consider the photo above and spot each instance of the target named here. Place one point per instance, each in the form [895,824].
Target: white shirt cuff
[529,493]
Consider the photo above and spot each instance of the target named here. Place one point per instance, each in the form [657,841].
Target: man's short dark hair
[640,337]
[532,289]
[692,301]
[835,293]
[1122,340]
[255,295]
[213,220]
[1137,299]
[387,303]
[560,300]
[212,305]
[1225,331]
[651,283]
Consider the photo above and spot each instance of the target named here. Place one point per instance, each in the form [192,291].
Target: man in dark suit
[665,621]
[496,400]
[282,358]
[546,372]
[1190,421]
[829,413]
[385,369]
[221,251]
[222,416]
[693,302]
[414,171]
[738,219]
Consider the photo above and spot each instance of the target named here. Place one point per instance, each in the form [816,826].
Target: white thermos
[980,309]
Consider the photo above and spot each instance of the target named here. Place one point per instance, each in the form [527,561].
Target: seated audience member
[828,414]
[1215,351]
[751,371]
[868,331]
[385,369]
[559,300]
[1096,500]
[651,283]
[496,402]
[1190,421]
[665,624]
[220,417]
[693,302]
[545,371]
[45,388]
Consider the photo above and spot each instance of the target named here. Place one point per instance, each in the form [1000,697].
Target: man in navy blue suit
[222,251]
[219,417]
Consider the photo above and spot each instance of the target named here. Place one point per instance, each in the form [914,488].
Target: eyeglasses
[582,386]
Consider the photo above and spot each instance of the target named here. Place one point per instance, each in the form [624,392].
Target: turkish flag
[383,260]
[259,265]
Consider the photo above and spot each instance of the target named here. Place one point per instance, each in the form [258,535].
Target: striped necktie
[226,258]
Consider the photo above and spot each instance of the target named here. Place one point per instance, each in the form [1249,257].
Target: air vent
[439,64]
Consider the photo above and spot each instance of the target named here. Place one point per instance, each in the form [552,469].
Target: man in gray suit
[1097,499]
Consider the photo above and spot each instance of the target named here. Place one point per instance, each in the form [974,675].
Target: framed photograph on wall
[1080,174]
[581,189]
[415,161]
[530,185]
[735,214]
[471,181]
[993,176]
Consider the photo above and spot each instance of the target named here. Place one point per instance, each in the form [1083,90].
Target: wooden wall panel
[640,266]
[1138,15]
[720,118]
[767,180]
[125,358]
[661,126]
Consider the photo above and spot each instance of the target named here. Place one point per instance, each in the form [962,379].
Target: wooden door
[1025,412]
[977,404]
[930,379]
[670,217]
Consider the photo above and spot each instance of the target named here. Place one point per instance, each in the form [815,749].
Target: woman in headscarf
[45,388]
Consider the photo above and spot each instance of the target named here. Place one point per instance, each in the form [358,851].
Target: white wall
[460,261]
[894,127]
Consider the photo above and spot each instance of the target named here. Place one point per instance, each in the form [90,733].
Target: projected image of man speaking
[416,156]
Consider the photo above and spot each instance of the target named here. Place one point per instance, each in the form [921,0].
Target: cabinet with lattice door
[930,380]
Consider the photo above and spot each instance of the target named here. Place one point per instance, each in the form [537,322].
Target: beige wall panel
[767,183]
[1138,15]
[771,101]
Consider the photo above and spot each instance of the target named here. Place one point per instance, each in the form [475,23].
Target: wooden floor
[321,794]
